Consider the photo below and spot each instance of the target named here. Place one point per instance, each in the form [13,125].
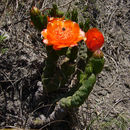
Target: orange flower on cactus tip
[62,33]
[52,19]
[94,40]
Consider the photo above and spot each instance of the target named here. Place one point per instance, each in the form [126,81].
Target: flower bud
[98,54]
[35,11]
[94,40]
[38,19]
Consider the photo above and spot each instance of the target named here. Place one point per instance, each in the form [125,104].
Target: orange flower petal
[51,19]
[62,33]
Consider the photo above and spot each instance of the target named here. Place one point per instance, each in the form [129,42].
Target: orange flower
[51,19]
[62,33]
[94,40]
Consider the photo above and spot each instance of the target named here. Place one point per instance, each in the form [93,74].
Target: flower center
[63,29]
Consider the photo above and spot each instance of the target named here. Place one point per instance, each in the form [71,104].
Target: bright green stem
[38,19]
[80,95]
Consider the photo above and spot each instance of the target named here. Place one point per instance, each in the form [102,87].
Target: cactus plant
[65,58]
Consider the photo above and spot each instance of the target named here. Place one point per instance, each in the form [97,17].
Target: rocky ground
[22,59]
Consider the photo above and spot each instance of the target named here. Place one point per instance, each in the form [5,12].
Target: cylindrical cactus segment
[50,75]
[86,81]
[58,69]
[38,19]
[80,95]
[97,61]
[97,64]
[87,72]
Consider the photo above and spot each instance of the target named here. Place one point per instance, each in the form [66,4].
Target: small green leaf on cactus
[85,26]
[73,15]
[3,50]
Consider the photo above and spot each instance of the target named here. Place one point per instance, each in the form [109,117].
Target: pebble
[102,93]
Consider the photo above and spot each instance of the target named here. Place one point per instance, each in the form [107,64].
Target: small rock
[39,84]
[42,117]
[127,83]
[102,93]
